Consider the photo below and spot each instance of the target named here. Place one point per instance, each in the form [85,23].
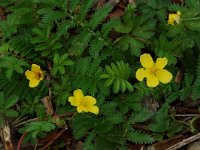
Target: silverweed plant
[54,52]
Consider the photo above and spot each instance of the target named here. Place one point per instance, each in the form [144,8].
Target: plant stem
[19,119]
[53,139]
[35,148]
[186,115]
[27,121]
[36,119]
[21,140]
[187,19]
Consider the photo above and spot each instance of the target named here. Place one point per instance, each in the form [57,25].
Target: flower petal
[152,81]
[89,100]
[164,76]
[161,63]
[41,75]
[33,83]
[146,60]
[29,75]
[171,19]
[81,109]
[177,17]
[74,101]
[178,13]
[174,18]
[93,109]
[78,94]
[141,74]
[35,68]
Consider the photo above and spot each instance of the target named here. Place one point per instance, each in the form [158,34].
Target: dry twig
[184,142]
[53,139]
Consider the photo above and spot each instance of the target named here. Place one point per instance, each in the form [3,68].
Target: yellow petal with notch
[152,81]
[164,76]
[146,60]
[161,63]
[93,109]
[141,74]
[33,83]
[74,101]
[78,93]
[89,100]
[35,68]
[29,75]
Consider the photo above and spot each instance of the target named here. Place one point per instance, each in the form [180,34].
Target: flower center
[83,103]
[153,71]
[38,75]
[84,106]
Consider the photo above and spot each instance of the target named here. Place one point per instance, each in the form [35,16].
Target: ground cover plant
[102,75]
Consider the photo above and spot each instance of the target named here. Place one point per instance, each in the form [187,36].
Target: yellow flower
[154,72]
[34,76]
[174,17]
[83,103]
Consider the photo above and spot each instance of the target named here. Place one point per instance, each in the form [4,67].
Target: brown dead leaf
[79,145]
[151,104]
[135,146]
[179,77]
[48,105]
[116,13]
[2,16]
[5,133]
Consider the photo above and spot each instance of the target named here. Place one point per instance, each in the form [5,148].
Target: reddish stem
[53,139]
[21,140]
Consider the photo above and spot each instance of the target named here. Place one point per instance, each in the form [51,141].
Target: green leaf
[60,62]
[1,121]
[99,15]
[108,82]
[139,137]
[85,6]
[140,116]
[1,99]
[12,100]
[11,113]
[110,141]
[74,4]
[161,121]
[196,87]
[129,86]
[104,76]
[144,27]
[173,129]
[123,85]
[109,70]
[107,27]
[4,47]
[89,147]
[117,75]
[9,73]
[116,86]
[117,118]
[9,26]
[12,63]
[121,28]
[40,126]
[129,43]
[126,24]
[81,124]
